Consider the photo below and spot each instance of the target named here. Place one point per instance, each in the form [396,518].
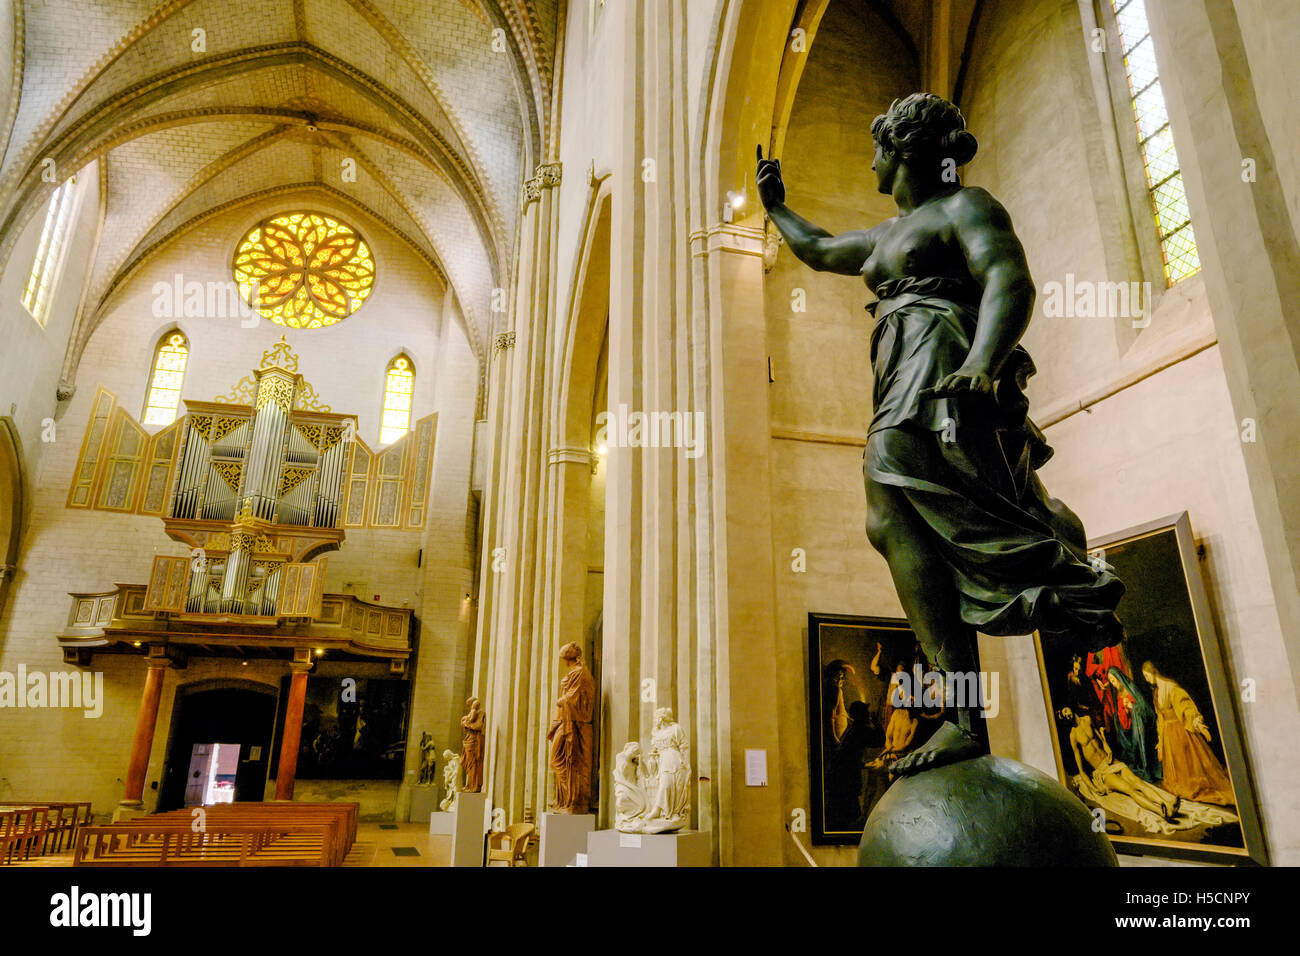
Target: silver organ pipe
[329,492]
[191,474]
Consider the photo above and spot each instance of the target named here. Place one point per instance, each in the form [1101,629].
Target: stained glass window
[398,388]
[50,252]
[304,270]
[1163,173]
[165,382]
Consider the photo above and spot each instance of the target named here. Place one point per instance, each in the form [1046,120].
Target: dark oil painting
[1145,731]
[854,728]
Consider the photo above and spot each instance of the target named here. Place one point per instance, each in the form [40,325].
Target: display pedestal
[424,801]
[564,836]
[684,848]
[467,824]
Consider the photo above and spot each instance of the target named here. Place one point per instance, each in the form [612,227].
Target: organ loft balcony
[257,496]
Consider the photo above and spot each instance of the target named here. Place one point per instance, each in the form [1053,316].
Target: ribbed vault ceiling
[442,106]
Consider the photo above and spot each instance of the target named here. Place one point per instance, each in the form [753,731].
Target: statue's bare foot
[949,744]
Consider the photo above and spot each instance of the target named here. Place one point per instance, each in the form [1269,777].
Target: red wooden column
[142,743]
[284,778]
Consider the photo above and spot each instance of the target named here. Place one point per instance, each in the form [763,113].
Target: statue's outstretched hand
[771,187]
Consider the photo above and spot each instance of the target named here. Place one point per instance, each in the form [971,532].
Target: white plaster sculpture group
[450,780]
[652,794]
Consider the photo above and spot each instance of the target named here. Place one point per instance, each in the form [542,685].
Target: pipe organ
[257,494]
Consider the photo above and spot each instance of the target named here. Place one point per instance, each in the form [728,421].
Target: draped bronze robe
[1017,555]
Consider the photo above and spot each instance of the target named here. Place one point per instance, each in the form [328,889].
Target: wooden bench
[176,844]
[342,817]
[252,834]
[64,819]
[22,828]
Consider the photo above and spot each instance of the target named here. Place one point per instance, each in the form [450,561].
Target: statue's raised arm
[812,245]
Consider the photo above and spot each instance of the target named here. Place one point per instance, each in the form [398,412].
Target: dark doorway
[238,716]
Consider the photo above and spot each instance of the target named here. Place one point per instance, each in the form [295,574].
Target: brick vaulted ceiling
[443,105]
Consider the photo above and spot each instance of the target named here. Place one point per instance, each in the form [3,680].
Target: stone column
[564,587]
[511,678]
[142,742]
[1250,257]
[732,257]
[284,778]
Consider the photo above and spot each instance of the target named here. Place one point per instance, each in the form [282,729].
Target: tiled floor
[374,847]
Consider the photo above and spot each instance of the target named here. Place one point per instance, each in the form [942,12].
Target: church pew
[345,813]
[65,818]
[341,819]
[176,844]
[8,834]
[277,834]
[21,829]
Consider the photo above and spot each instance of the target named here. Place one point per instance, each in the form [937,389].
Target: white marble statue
[630,801]
[670,764]
[450,780]
[654,795]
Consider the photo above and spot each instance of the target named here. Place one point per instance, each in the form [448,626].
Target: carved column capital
[532,190]
[549,174]
[503,341]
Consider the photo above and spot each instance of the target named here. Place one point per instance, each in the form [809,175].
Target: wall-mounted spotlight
[735,202]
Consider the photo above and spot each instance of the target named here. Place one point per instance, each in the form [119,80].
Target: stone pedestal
[564,836]
[129,812]
[424,802]
[467,825]
[685,848]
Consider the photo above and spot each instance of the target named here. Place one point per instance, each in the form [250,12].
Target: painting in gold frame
[1145,733]
[852,722]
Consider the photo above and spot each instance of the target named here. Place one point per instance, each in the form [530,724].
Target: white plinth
[424,801]
[564,836]
[684,848]
[468,826]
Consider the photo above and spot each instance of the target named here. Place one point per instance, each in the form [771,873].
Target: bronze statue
[971,537]
[471,747]
[570,734]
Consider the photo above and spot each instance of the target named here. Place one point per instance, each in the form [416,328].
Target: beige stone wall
[409,310]
[1158,435]
[1171,443]
[1269,29]
[32,355]
[821,396]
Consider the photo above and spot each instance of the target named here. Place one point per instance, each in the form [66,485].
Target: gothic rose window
[304,270]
